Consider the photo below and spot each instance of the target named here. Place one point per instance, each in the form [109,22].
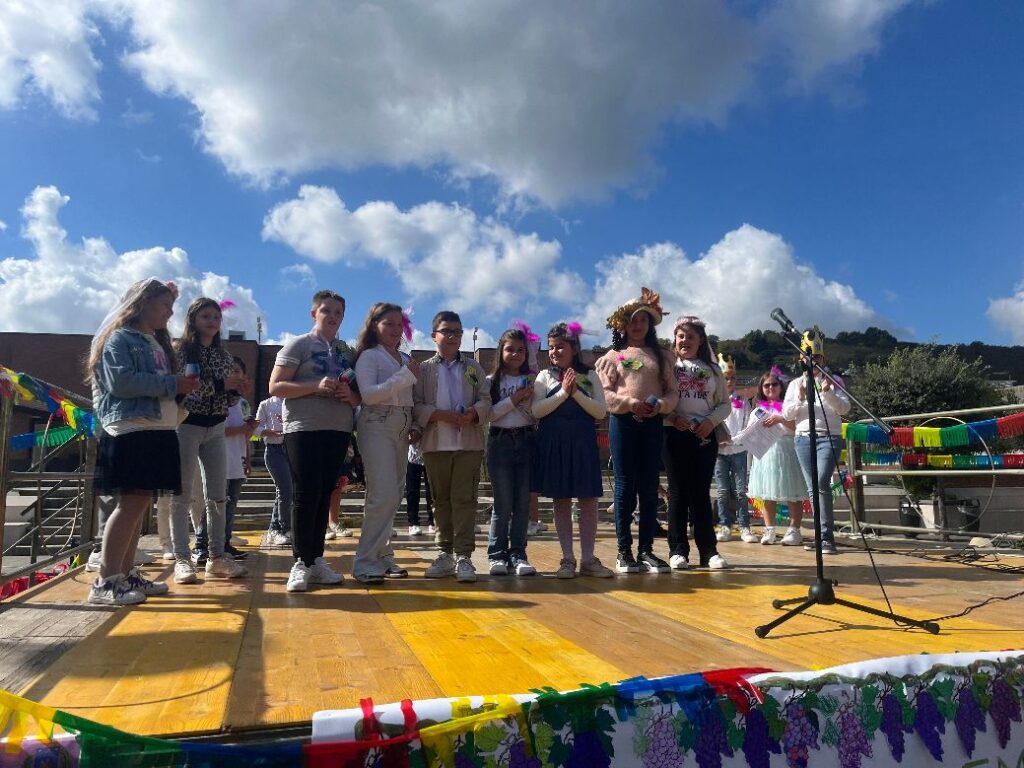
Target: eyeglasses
[450,333]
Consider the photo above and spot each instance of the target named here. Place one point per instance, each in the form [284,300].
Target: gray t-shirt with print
[312,358]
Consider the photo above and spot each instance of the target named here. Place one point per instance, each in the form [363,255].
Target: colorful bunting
[956,436]
[31,390]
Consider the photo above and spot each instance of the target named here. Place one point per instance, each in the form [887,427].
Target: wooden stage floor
[236,655]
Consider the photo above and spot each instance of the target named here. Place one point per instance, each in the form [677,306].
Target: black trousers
[316,459]
[690,467]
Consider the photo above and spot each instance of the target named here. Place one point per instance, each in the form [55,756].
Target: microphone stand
[822,591]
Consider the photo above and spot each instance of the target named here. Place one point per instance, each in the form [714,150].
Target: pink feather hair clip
[531,337]
[407,324]
[226,304]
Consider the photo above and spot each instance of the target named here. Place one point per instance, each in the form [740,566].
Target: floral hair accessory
[737,402]
[531,337]
[648,301]
[407,324]
[225,304]
[630,364]
[532,344]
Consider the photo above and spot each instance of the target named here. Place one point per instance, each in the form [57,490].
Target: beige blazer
[474,390]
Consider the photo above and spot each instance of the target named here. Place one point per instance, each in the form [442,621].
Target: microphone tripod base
[822,592]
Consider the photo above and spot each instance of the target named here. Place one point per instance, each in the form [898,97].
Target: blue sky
[857,163]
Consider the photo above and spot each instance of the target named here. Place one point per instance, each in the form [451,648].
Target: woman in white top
[270,426]
[385,377]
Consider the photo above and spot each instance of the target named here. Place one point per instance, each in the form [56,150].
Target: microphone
[787,325]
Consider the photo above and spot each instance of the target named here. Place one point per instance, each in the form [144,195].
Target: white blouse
[382,380]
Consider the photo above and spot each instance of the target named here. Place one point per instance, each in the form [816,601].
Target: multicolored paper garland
[32,390]
[957,436]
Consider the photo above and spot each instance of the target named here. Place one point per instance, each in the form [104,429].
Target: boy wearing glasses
[450,402]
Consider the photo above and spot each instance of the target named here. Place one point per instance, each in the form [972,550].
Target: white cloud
[298,276]
[46,49]
[553,101]
[69,287]
[435,249]
[3,226]
[733,287]
[151,159]
[1008,313]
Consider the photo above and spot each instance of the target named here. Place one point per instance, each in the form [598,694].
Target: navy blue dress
[566,464]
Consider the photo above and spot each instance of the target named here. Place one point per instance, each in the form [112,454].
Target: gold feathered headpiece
[648,301]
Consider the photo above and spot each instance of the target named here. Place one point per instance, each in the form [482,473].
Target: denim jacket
[126,384]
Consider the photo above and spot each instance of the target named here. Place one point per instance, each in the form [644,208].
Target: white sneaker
[769,535]
[322,573]
[167,552]
[793,537]
[541,526]
[278,539]
[415,530]
[497,568]
[431,530]
[747,536]
[717,563]
[136,581]
[724,533]
[522,567]
[464,570]
[345,533]
[184,572]
[298,578]
[114,590]
[93,563]
[225,567]
[533,528]
[330,533]
[443,565]
[679,562]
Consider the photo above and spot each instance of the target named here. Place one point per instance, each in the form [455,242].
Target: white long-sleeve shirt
[382,380]
[828,408]
[543,405]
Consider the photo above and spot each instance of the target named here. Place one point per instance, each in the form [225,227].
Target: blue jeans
[731,479]
[277,464]
[509,455]
[234,490]
[828,455]
[636,463]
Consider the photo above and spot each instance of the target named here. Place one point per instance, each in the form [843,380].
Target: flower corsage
[630,364]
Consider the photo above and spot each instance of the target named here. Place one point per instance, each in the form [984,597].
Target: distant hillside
[758,351]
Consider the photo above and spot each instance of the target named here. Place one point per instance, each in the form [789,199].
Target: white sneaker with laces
[769,535]
[278,539]
[679,562]
[322,573]
[114,590]
[717,563]
[136,581]
[298,578]
[167,552]
[225,567]
[93,563]
[522,568]
[443,565]
[793,537]
[415,530]
[747,536]
[497,568]
[184,572]
[345,533]
[464,569]
[330,533]
[724,533]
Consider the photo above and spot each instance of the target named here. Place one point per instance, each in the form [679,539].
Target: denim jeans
[828,454]
[509,455]
[234,489]
[636,463]
[208,444]
[277,464]
[731,479]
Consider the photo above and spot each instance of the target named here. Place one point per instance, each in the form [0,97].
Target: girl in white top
[386,377]
[509,456]
[270,426]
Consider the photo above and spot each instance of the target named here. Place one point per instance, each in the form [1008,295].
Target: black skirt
[138,461]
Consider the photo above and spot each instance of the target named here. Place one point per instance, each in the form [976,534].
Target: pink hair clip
[531,337]
[226,304]
[407,324]
[574,329]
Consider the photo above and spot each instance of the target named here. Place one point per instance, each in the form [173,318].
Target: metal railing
[48,532]
[858,472]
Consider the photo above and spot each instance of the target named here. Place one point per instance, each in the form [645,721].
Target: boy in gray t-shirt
[313,359]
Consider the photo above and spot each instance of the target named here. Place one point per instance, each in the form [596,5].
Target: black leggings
[316,459]
[690,467]
[414,473]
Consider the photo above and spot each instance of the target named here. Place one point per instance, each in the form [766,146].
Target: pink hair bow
[407,324]
[225,304]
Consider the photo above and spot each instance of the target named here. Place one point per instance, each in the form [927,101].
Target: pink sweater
[622,386]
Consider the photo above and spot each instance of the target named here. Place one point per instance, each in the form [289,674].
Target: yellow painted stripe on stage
[508,652]
[164,667]
[820,637]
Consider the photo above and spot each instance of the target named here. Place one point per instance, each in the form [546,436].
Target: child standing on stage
[637,378]
[318,403]
[415,478]
[776,476]
[202,435]
[386,377]
[731,464]
[510,455]
[450,402]
[270,426]
[830,405]
[692,435]
[567,399]
[131,371]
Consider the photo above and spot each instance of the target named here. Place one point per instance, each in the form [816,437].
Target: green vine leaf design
[489,737]
[830,735]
